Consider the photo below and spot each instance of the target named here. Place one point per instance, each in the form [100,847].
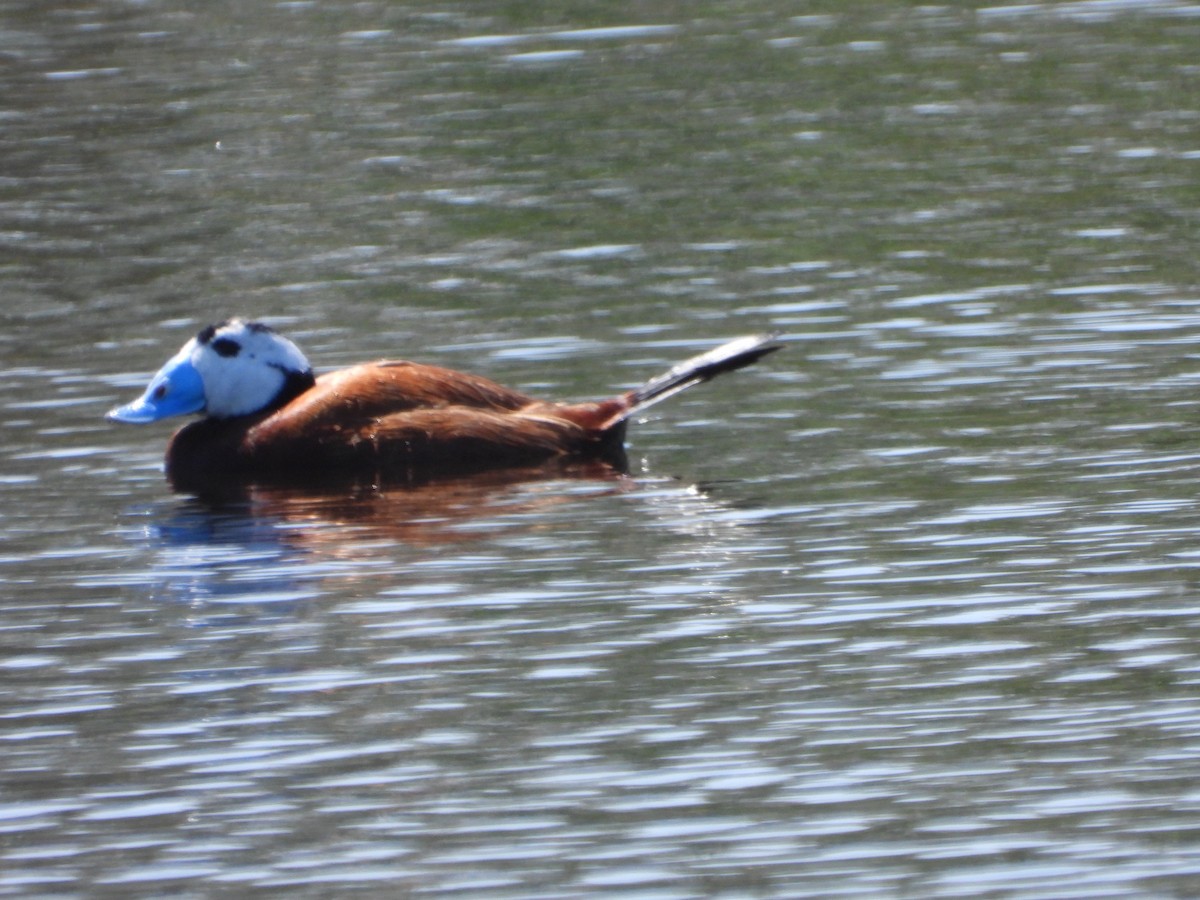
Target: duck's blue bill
[176,390]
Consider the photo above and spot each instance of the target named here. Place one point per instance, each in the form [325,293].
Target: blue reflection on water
[231,555]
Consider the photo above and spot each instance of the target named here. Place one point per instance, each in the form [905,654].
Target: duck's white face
[232,369]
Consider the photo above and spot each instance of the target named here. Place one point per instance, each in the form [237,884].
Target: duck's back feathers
[391,386]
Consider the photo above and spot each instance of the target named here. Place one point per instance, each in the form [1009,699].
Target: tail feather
[727,358]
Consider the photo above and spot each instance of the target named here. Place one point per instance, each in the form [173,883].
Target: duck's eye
[226,347]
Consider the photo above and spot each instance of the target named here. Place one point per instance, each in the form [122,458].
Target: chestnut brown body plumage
[392,420]
[384,421]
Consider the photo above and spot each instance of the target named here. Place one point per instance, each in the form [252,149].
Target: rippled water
[905,610]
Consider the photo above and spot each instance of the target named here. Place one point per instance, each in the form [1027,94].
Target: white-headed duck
[267,418]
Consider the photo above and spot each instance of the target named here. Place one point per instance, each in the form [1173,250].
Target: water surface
[905,610]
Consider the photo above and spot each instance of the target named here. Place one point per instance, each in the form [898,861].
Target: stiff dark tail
[726,358]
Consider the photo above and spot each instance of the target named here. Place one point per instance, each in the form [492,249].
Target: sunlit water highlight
[904,611]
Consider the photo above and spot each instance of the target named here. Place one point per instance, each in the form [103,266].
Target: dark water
[907,610]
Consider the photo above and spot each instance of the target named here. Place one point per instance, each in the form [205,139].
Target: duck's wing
[459,436]
[399,414]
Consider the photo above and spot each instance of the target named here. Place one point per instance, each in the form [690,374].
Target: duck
[266,418]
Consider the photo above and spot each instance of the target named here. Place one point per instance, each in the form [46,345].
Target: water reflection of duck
[444,510]
[268,419]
